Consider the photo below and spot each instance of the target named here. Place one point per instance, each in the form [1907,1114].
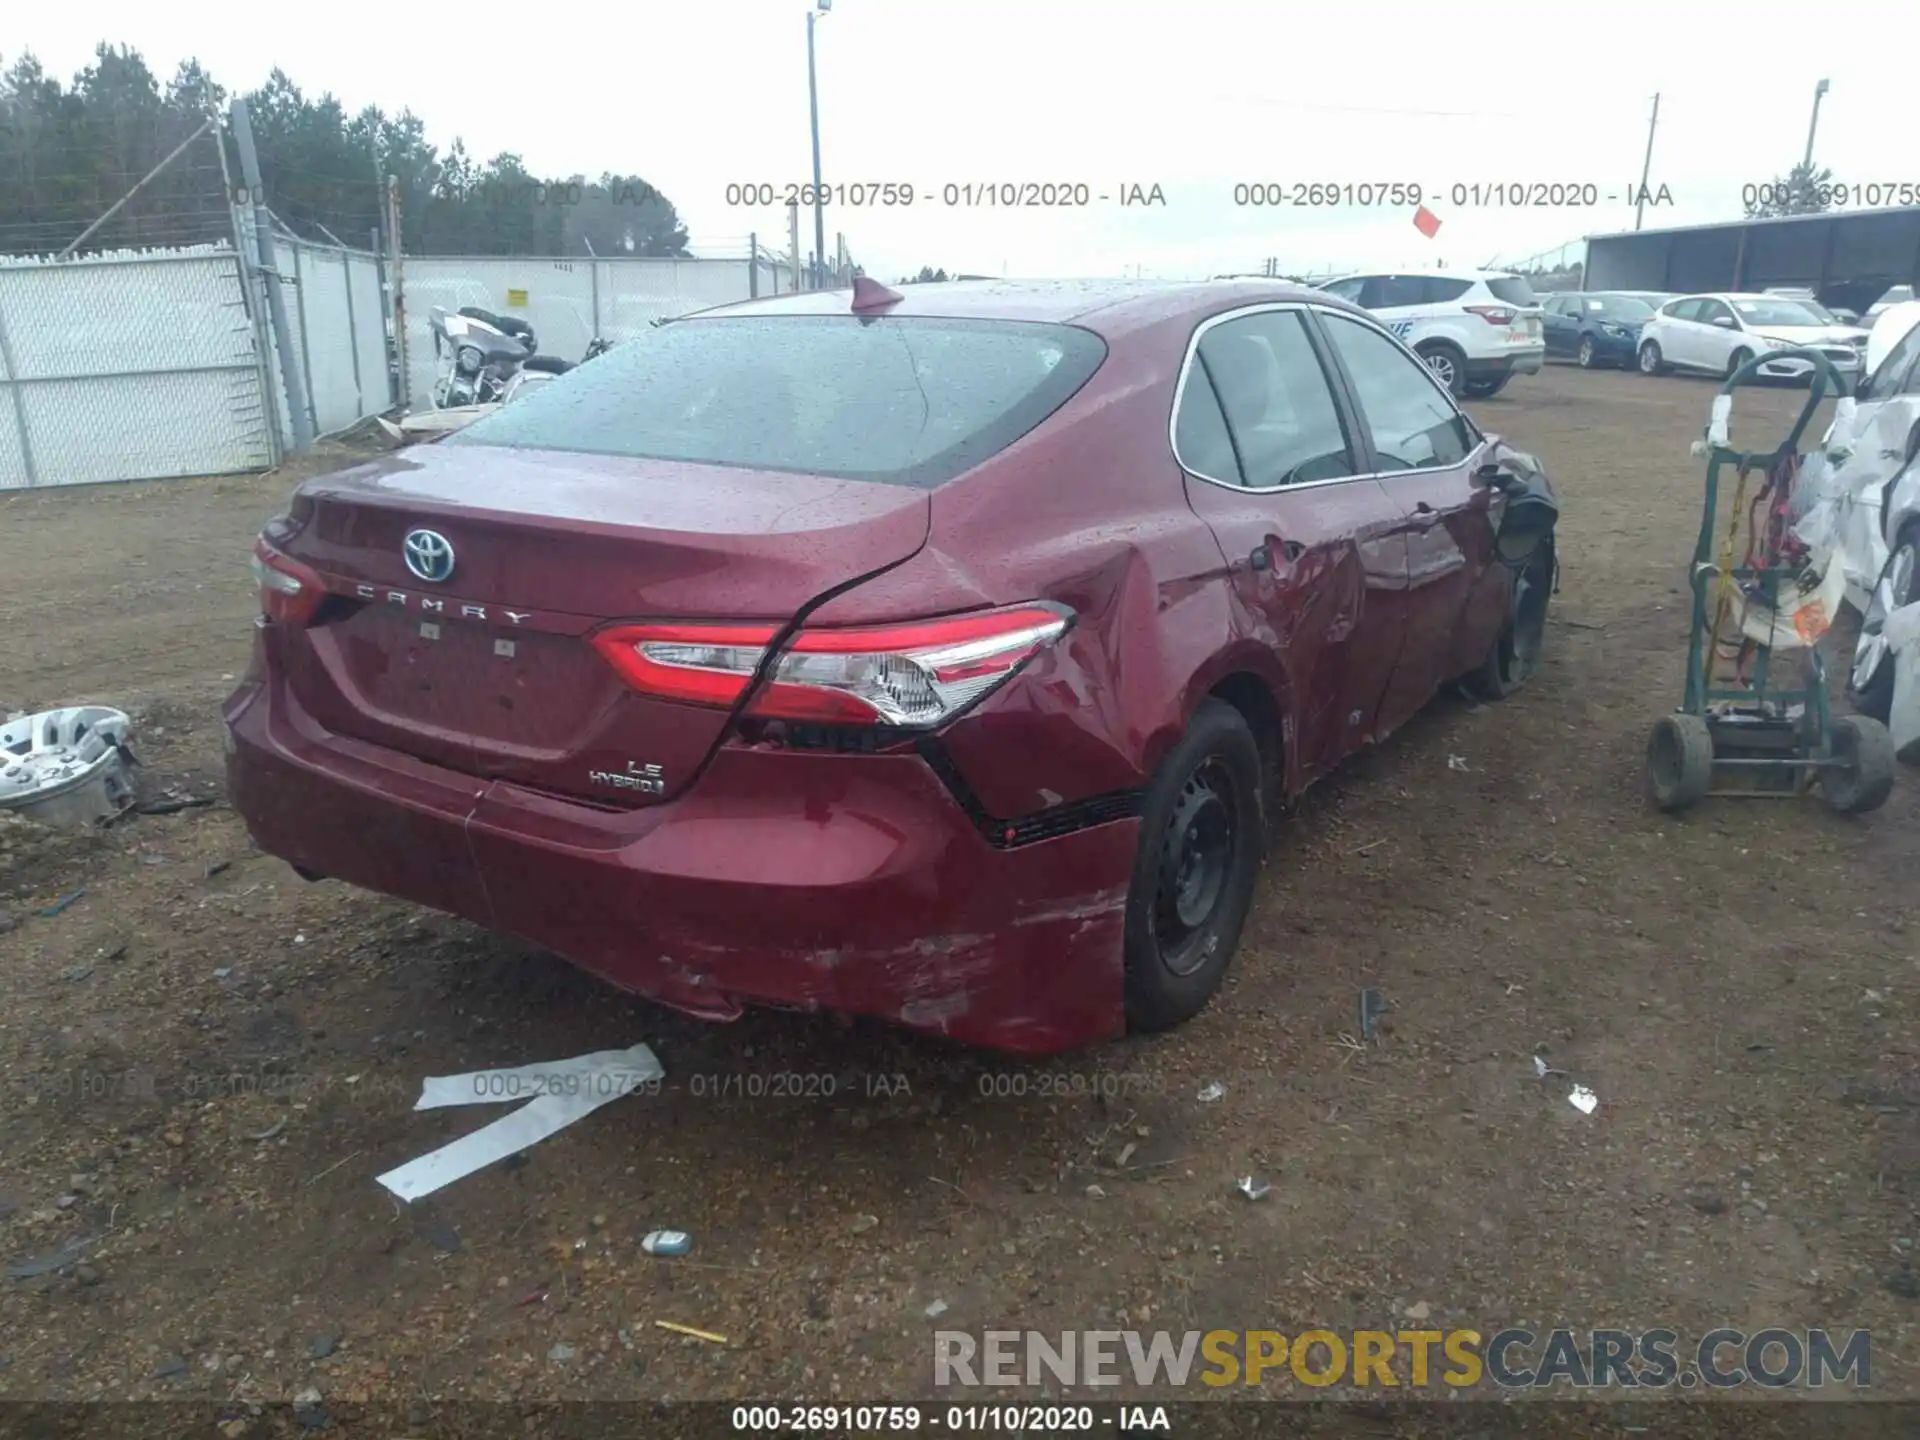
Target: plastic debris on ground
[936,1309]
[1583,1100]
[1211,1091]
[1456,762]
[1372,1006]
[564,1091]
[1542,1070]
[666,1242]
[1254,1189]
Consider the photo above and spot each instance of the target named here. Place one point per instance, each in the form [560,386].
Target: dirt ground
[207,1061]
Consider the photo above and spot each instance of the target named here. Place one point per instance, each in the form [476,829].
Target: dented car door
[1314,546]
[1424,452]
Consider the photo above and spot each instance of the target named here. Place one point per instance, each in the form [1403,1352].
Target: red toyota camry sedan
[937,656]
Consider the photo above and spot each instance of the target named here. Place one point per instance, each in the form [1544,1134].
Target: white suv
[1476,329]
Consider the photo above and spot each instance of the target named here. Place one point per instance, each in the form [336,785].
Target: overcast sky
[1195,96]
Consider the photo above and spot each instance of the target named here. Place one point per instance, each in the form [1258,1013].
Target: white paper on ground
[565,1091]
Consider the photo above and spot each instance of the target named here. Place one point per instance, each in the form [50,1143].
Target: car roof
[1108,307]
[1437,274]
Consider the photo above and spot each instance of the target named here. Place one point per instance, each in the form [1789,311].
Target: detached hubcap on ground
[1195,863]
[1894,590]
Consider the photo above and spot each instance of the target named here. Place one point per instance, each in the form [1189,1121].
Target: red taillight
[1493,314]
[290,593]
[913,675]
[695,664]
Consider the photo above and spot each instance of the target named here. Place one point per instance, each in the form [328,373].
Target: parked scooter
[450,414]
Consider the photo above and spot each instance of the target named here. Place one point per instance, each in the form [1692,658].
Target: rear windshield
[1619,307]
[1513,289]
[908,401]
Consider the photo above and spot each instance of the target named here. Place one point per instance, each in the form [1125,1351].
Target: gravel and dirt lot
[207,1060]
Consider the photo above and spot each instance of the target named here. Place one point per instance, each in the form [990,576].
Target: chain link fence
[129,366]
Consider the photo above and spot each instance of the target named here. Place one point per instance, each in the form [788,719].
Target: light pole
[821,7]
[1813,124]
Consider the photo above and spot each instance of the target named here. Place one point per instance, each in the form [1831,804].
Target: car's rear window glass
[908,401]
[1513,289]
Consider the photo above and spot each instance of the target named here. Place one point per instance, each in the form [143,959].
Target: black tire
[547,364]
[1651,362]
[1201,835]
[1736,360]
[1865,779]
[1588,355]
[1449,365]
[1516,649]
[1870,683]
[1487,389]
[1679,761]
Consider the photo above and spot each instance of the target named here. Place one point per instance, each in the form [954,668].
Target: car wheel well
[1254,699]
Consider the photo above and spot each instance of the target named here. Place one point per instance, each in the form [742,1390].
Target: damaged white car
[1860,500]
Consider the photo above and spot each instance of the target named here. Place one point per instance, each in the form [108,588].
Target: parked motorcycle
[479,353]
[531,375]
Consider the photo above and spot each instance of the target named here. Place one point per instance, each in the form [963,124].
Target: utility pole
[291,374]
[1813,124]
[395,272]
[813,107]
[1646,169]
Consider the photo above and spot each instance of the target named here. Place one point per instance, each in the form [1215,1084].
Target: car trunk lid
[489,668]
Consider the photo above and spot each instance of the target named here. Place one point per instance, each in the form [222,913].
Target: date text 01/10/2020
[968,194]
[1398,194]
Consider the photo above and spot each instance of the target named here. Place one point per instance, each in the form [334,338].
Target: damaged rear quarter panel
[1088,510]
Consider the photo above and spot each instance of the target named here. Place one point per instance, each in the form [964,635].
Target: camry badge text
[428,605]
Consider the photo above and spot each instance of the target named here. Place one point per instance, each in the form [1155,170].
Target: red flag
[1426,222]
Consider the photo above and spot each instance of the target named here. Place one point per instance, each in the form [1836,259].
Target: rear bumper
[1520,360]
[808,881]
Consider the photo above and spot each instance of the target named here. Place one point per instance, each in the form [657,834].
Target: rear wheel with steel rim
[1201,834]
[1870,685]
[1589,354]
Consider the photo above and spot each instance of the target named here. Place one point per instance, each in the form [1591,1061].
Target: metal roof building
[1847,257]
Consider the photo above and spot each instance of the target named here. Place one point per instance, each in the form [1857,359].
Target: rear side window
[1513,289]
[1441,292]
[1385,292]
[1200,440]
[906,401]
[1684,310]
[1413,424]
[1278,405]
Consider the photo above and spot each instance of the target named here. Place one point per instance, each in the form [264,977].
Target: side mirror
[1492,477]
[1529,519]
[1725,322]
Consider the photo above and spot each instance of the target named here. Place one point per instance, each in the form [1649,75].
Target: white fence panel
[130,367]
[370,328]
